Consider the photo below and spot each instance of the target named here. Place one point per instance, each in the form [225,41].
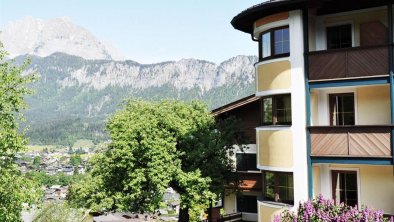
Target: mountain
[83,81]
[45,37]
[74,96]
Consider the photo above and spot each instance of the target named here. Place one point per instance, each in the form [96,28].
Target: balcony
[351,141]
[250,181]
[356,62]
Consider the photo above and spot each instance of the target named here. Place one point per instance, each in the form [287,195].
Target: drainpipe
[305,24]
[391,70]
[253,38]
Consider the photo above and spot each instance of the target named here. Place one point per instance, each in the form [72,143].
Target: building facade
[325,82]
[241,203]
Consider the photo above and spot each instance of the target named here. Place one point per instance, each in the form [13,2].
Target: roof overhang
[244,21]
[234,105]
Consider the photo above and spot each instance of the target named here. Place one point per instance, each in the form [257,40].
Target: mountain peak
[43,37]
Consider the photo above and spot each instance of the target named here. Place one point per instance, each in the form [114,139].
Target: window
[344,187]
[278,187]
[341,109]
[246,204]
[266,45]
[275,43]
[277,110]
[339,37]
[246,161]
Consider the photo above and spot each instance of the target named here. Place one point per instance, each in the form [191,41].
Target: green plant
[59,212]
[325,210]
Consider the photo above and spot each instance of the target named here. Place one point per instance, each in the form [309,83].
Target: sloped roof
[244,21]
[234,105]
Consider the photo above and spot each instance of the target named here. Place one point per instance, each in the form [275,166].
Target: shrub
[325,210]
[59,212]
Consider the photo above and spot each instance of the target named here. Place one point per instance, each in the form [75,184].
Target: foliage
[59,212]
[83,143]
[44,179]
[75,160]
[89,192]
[156,145]
[324,210]
[65,131]
[62,115]
[14,189]
[13,89]
[37,161]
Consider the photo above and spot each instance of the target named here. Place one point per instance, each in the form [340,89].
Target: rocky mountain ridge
[83,81]
[85,92]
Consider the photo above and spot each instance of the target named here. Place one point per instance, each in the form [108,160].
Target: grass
[83,143]
[39,148]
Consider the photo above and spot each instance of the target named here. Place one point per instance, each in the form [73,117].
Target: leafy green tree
[59,212]
[75,160]
[44,179]
[156,145]
[14,188]
[37,161]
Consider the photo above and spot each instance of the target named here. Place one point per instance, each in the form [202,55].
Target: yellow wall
[316,181]
[358,18]
[274,75]
[275,148]
[267,214]
[229,203]
[376,186]
[373,105]
[314,109]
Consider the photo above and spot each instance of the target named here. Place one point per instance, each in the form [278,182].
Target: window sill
[276,204]
[274,57]
[284,125]
[250,213]
[274,127]
[248,171]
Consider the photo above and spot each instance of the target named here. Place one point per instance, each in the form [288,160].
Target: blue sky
[149,31]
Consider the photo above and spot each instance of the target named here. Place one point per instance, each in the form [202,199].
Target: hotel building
[324,82]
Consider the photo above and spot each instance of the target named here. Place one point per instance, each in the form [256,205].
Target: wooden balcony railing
[348,63]
[352,141]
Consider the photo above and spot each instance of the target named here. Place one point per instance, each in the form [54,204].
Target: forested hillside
[74,96]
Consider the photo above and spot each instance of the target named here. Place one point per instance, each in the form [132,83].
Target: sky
[149,31]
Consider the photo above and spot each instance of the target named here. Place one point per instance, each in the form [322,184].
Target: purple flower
[325,210]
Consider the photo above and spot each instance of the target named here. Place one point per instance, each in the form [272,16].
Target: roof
[244,21]
[234,105]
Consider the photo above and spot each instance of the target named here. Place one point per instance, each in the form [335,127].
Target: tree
[75,160]
[156,145]
[37,161]
[59,212]
[44,179]
[14,189]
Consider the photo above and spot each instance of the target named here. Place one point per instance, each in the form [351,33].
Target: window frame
[272,44]
[274,111]
[276,186]
[330,107]
[335,25]
[356,172]
[247,162]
